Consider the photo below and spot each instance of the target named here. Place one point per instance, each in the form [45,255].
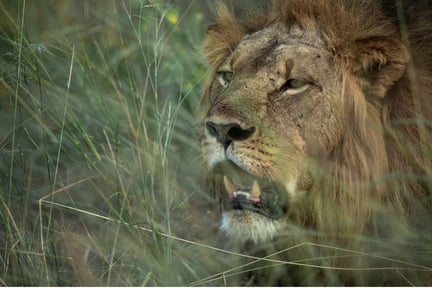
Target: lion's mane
[385,157]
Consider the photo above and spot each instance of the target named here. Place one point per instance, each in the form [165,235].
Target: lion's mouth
[244,191]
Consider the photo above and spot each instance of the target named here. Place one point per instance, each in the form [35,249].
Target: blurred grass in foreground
[98,156]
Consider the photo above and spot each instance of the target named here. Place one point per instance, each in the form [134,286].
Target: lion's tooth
[244,193]
[256,191]
[229,186]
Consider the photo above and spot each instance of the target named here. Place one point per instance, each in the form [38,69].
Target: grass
[99,159]
[98,153]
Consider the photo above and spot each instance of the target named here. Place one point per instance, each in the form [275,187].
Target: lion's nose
[227,133]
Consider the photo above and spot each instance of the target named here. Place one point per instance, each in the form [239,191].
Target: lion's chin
[244,226]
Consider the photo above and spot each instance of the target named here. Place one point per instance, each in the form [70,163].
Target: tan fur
[369,188]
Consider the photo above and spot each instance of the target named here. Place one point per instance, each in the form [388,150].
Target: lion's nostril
[238,133]
[227,133]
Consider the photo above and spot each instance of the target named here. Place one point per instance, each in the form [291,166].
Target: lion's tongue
[234,191]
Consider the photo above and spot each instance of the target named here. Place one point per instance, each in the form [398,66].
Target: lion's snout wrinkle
[226,133]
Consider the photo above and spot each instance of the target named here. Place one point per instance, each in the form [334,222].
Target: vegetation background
[99,159]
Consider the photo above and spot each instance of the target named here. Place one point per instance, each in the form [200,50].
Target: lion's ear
[223,36]
[382,61]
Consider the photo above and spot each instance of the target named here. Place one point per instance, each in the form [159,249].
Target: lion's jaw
[239,223]
[242,226]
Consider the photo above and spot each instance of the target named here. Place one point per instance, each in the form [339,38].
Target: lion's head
[313,112]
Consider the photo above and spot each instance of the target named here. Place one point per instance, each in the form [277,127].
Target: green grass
[99,158]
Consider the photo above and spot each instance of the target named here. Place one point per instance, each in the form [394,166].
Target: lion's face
[276,104]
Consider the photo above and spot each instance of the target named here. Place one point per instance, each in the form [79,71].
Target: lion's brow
[260,53]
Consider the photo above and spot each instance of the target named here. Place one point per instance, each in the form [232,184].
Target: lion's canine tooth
[229,186]
[256,191]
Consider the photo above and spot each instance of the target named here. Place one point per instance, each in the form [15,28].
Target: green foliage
[98,153]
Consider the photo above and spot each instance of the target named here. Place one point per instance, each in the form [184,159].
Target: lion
[316,135]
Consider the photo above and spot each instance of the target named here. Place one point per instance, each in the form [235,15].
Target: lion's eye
[225,77]
[294,86]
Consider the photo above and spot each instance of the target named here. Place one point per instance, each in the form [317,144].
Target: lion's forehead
[274,41]
[280,33]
